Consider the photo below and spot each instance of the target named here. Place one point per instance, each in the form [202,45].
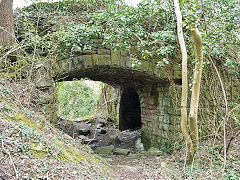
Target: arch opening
[130,110]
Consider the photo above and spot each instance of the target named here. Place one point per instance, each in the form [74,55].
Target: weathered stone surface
[103,51]
[116,68]
[113,137]
[82,129]
[139,145]
[86,140]
[101,130]
[116,57]
[104,149]
[120,151]
[45,98]
[73,129]
[44,83]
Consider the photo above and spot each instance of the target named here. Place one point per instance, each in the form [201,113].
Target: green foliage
[55,28]
[148,31]
[149,28]
[74,38]
[76,99]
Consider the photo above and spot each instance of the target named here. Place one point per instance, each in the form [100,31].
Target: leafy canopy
[148,31]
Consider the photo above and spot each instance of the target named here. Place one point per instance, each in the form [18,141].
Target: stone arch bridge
[144,88]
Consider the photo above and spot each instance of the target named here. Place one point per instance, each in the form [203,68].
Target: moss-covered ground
[31,148]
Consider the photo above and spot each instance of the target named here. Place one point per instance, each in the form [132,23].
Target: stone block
[80,62]
[104,149]
[74,62]
[103,51]
[107,59]
[70,68]
[116,57]
[87,52]
[123,62]
[124,53]
[120,151]
[128,63]
[94,59]
[88,60]
[101,60]
[44,83]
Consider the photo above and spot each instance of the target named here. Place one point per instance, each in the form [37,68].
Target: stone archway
[145,100]
[130,110]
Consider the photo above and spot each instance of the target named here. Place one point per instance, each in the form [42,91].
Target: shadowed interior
[130,111]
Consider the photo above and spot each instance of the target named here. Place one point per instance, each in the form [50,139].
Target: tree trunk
[191,136]
[185,132]
[195,92]
[7,35]
[6,23]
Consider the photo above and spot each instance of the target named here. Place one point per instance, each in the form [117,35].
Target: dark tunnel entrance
[130,110]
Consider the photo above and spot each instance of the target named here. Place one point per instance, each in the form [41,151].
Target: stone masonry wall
[117,68]
[101,55]
[156,117]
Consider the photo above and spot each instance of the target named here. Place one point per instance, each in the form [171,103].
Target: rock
[139,146]
[129,168]
[104,149]
[81,129]
[99,126]
[113,136]
[45,98]
[102,121]
[86,140]
[87,119]
[135,156]
[154,151]
[44,83]
[121,151]
[101,131]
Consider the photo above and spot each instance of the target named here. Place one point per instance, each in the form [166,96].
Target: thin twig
[226,112]
[14,167]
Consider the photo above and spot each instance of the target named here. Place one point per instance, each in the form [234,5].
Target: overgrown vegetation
[63,29]
[31,148]
[77,99]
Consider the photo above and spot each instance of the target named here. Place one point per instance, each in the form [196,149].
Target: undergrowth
[31,148]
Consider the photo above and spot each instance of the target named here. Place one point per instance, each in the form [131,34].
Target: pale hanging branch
[196,89]
[185,132]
